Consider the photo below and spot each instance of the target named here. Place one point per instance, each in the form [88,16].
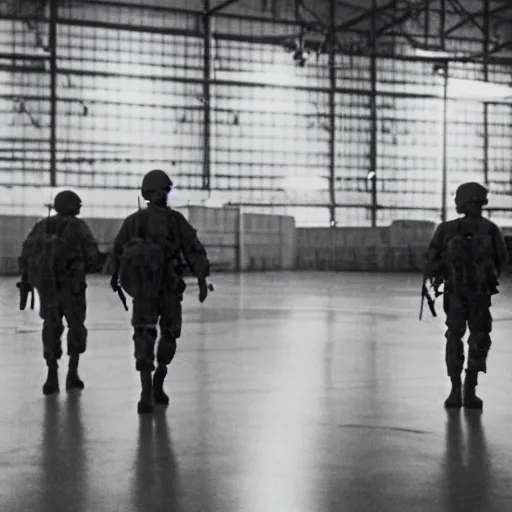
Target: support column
[442,29]
[52,42]
[486,106]
[206,94]
[442,24]
[373,114]
[445,144]
[332,115]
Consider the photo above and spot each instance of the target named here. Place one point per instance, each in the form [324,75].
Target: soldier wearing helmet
[470,198]
[148,263]
[61,292]
[155,187]
[68,203]
[468,255]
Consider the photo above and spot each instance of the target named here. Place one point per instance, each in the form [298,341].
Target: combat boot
[145,405]
[470,400]
[158,382]
[454,400]
[72,379]
[52,381]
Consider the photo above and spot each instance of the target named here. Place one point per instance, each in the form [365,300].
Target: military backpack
[47,257]
[147,261]
[469,258]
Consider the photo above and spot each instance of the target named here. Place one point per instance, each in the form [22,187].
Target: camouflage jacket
[172,231]
[435,257]
[83,247]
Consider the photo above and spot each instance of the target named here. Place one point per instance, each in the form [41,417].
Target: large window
[130,96]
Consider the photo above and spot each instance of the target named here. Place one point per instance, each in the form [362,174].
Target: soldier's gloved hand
[114,282]
[203,290]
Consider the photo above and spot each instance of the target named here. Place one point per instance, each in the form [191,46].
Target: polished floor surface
[290,392]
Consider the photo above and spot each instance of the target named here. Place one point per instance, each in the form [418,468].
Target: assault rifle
[122,296]
[25,290]
[425,294]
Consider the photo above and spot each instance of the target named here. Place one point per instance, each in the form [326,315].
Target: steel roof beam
[363,16]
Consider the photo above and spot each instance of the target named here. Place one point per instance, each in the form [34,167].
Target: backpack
[47,258]
[470,261]
[142,266]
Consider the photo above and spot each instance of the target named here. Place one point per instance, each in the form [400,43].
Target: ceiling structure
[346,26]
[350,26]
[424,24]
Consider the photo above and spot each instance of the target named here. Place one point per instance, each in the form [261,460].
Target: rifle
[430,301]
[25,289]
[425,294]
[122,297]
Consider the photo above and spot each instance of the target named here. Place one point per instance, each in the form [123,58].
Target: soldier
[55,257]
[147,264]
[468,255]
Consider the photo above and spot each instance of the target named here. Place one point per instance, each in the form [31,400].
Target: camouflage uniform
[463,306]
[70,301]
[177,236]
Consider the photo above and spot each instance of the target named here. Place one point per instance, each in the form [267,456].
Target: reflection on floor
[291,392]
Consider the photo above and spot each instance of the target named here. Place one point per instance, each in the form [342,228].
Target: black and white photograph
[255,255]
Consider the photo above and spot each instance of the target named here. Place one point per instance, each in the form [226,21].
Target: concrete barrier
[396,248]
[265,242]
[269,242]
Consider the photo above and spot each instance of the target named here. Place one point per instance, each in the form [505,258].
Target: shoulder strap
[60,230]
[53,228]
[142,225]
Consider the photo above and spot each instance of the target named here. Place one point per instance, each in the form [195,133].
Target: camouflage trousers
[69,302]
[164,311]
[472,311]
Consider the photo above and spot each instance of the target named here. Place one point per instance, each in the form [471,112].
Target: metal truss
[387,19]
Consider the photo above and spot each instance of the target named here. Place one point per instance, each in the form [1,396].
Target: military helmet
[67,203]
[156,180]
[471,192]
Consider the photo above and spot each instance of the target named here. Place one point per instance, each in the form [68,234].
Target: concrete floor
[290,392]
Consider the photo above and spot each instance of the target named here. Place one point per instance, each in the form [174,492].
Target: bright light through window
[478,90]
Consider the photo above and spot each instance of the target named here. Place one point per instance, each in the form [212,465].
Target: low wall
[264,242]
[396,248]
[268,242]
[217,230]
[259,242]
[406,258]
